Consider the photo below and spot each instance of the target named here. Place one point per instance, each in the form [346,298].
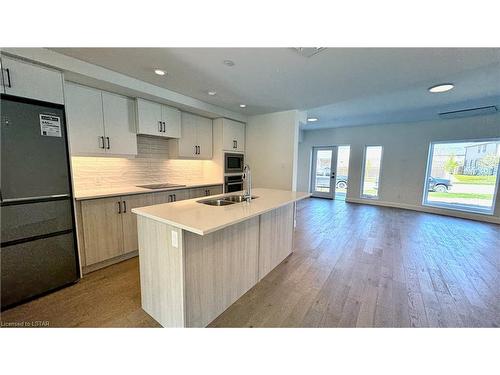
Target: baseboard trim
[427,209]
[109,262]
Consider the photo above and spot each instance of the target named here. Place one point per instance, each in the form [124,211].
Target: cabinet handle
[195,150]
[101,141]
[175,198]
[199,150]
[9,84]
[159,126]
[164,127]
[119,207]
[124,207]
[109,144]
[235,144]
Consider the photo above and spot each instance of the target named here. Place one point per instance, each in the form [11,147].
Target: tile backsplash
[150,165]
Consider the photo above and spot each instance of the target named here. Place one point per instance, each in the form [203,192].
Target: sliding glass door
[324,161]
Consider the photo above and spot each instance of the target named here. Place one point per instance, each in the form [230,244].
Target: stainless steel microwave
[233,163]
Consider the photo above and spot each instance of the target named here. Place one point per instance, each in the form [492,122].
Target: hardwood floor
[352,266]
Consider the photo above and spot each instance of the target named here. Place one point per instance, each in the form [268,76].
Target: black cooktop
[160,186]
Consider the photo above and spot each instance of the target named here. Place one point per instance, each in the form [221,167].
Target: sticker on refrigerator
[50,126]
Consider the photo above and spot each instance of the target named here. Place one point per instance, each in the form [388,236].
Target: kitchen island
[198,259]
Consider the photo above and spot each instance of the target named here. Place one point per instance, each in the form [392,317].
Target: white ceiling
[341,86]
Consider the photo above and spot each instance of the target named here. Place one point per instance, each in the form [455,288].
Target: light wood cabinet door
[130,242]
[204,137]
[171,118]
[149,118]
[119,124]
[196,193]
[187,142]
[21,78]
[85,119]
[170,196]
[233,134]
[102,229]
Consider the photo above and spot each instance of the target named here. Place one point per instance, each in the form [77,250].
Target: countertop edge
[144,191]
[215,229]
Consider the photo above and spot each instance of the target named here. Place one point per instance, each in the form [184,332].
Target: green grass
[474,180]
[460,195]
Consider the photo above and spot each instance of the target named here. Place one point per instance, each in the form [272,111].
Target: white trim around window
[458,207]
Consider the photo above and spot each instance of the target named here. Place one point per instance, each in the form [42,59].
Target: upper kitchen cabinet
[100,123]
[233,135]
[119,124]
[196,138]
[158,119]
[21,78]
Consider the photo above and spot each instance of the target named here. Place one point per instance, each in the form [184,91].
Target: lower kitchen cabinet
[129,220]
[108,229]
[102,229]
[171,196]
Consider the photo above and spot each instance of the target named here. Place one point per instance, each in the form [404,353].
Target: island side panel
[161,272]
[276,238]
[219,268]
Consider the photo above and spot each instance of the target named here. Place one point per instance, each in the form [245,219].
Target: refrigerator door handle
[34,199]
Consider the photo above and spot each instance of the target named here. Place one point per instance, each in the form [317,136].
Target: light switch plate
[175,239]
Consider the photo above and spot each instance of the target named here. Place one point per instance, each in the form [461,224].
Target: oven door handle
[234,183]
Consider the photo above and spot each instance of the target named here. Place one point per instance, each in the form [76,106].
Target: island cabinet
[197,260]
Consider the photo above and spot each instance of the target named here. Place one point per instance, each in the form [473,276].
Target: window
[459,178]
[371,171]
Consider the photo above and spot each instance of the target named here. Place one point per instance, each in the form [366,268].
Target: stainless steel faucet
[247,176]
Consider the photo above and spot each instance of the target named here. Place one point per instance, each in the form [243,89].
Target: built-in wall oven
[233,183]
[233,163]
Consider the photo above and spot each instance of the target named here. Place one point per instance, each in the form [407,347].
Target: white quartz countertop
[202,219]
[130,190]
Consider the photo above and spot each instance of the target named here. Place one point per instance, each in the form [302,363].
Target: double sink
[225,200]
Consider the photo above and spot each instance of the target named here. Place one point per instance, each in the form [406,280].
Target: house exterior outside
[474,154]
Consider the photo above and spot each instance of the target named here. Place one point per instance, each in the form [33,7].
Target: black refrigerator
[38,244]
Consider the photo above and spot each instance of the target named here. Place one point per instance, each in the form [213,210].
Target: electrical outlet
[175,239]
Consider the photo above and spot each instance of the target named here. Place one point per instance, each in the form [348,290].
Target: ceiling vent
[469,112]
[308,51]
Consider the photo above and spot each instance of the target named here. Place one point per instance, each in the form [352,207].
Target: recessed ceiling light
[228,62]
[212,93]
[442,87]
[243,105]
[160,72]
[312,119]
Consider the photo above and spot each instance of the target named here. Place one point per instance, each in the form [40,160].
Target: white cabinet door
[28,80]
[149,118]
[171,118]
[187,142]
[204,137]
[119,124]
[233,135]
[85,119]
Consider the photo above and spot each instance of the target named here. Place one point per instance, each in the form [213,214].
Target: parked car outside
[341,182]
[439,185]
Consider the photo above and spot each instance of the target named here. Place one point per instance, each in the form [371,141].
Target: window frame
[364,196]
[458,207]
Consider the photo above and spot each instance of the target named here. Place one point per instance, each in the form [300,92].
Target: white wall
[405,153]
[272,149]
